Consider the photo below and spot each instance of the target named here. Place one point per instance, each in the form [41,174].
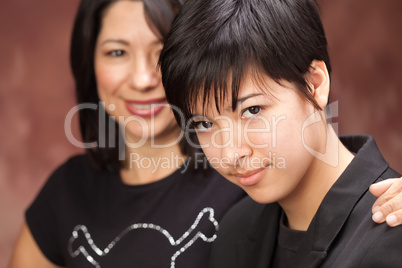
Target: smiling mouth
[146,108]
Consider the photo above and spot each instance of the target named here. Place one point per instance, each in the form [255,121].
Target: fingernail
[376,208]
[391,220]
[378,217]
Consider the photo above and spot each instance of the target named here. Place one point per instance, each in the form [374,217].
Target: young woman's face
[261,146]
[128,81]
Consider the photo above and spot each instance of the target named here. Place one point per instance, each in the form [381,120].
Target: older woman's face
[128,80]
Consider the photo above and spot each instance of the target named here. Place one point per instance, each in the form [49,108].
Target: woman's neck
[302,204]
[151,162]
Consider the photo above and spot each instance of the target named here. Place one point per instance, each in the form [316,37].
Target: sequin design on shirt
[81,249]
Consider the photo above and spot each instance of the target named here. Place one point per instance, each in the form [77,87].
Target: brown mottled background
[36,89]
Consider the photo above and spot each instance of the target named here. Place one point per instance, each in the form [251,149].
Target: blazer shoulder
[390,173]
[385,252]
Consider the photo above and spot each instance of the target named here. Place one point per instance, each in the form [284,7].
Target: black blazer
[341,234]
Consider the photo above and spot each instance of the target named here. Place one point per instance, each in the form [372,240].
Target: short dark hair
[212,39]
[87,25]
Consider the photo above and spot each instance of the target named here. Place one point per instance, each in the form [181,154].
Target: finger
[379,188]
[384,211]
[378,217]
[394,219]
[384,190]
[390,202]
[387,209]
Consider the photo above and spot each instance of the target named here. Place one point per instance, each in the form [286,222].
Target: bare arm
[27,253]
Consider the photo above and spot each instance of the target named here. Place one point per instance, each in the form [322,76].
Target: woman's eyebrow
[246,97]
[197,116]
[243,99]
[239,102]
[127,43]
[120,41]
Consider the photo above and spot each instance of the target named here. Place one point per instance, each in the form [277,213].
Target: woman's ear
[318,79]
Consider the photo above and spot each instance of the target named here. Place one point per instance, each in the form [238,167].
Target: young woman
[147,203]
[253,79]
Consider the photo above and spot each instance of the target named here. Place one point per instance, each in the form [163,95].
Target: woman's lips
[146,108]
[251,177]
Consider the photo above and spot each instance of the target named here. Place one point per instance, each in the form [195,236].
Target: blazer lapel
[339,202]
[256,251]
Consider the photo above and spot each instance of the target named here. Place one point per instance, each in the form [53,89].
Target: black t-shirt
[287,245]
[88,218]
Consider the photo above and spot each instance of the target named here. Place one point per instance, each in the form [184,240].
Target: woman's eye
[202,125]
[251,111]
[116,53]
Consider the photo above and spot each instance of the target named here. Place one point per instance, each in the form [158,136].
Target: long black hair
[87,25]
[212,40]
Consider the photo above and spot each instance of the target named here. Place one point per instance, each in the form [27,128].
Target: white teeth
[145,106]
[141,106]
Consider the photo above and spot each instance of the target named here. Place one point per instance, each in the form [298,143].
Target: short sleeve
[42,217]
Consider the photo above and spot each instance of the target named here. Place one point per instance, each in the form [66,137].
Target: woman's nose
[235,150]
[144,75]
